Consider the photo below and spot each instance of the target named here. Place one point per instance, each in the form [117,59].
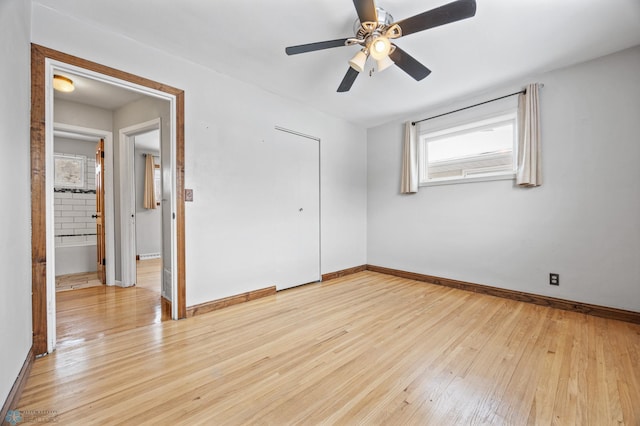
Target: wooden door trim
[100,212]
[39,55]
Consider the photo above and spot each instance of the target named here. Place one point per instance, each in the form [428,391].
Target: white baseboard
[147,256]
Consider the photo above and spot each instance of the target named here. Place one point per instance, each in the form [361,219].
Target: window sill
[508,176]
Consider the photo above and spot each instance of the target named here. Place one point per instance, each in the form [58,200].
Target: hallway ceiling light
[62,84]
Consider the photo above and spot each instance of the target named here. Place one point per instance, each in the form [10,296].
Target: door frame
[128,197]
[42,60]
[89,134]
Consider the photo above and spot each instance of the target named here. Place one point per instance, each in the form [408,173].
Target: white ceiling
[96,93]
[507,41]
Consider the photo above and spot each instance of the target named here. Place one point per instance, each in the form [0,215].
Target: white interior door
[296,185]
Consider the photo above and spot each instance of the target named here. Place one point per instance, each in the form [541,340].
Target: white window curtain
[149,201]
[529,155]
[410,176]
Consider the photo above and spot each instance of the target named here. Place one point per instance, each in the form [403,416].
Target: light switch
[188,194]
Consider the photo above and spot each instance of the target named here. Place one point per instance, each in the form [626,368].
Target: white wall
[64,145]
[225,123]
[76,259]
[76,114]
[15,234]
[583,223]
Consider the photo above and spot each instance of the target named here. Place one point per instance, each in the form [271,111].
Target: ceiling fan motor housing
[366,29]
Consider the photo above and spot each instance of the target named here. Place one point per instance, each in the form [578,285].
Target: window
[483,149]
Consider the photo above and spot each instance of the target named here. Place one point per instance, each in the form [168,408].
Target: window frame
[474,123]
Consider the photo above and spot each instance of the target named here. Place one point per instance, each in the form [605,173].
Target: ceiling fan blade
[409,64]
[348,80]
[310,47]
[366,10]
[451,12]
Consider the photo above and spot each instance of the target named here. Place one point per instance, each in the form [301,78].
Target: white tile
[84,207]
[82,196]
[73,213]
[85,219]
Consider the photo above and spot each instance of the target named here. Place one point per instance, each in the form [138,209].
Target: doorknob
[95,216]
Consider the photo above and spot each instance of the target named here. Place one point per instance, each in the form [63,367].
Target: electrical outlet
[554,279]
[188,194]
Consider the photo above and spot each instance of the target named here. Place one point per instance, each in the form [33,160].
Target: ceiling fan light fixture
[374,29]
[358,61]
[380,48]
[384,63]
[63,84]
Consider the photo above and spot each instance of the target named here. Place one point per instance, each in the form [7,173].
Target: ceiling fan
[374,29]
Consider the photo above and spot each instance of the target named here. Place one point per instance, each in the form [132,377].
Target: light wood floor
[362,349]
[90,313]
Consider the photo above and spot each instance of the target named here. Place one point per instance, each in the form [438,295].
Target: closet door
[296,200]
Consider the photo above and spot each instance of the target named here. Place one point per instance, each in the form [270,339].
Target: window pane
[482,148]
[496,139]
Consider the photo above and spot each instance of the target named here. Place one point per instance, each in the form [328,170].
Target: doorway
[44,61]
[76,242]
[147,187]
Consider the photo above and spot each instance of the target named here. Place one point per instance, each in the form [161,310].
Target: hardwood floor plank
[88,313]
[361,349]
